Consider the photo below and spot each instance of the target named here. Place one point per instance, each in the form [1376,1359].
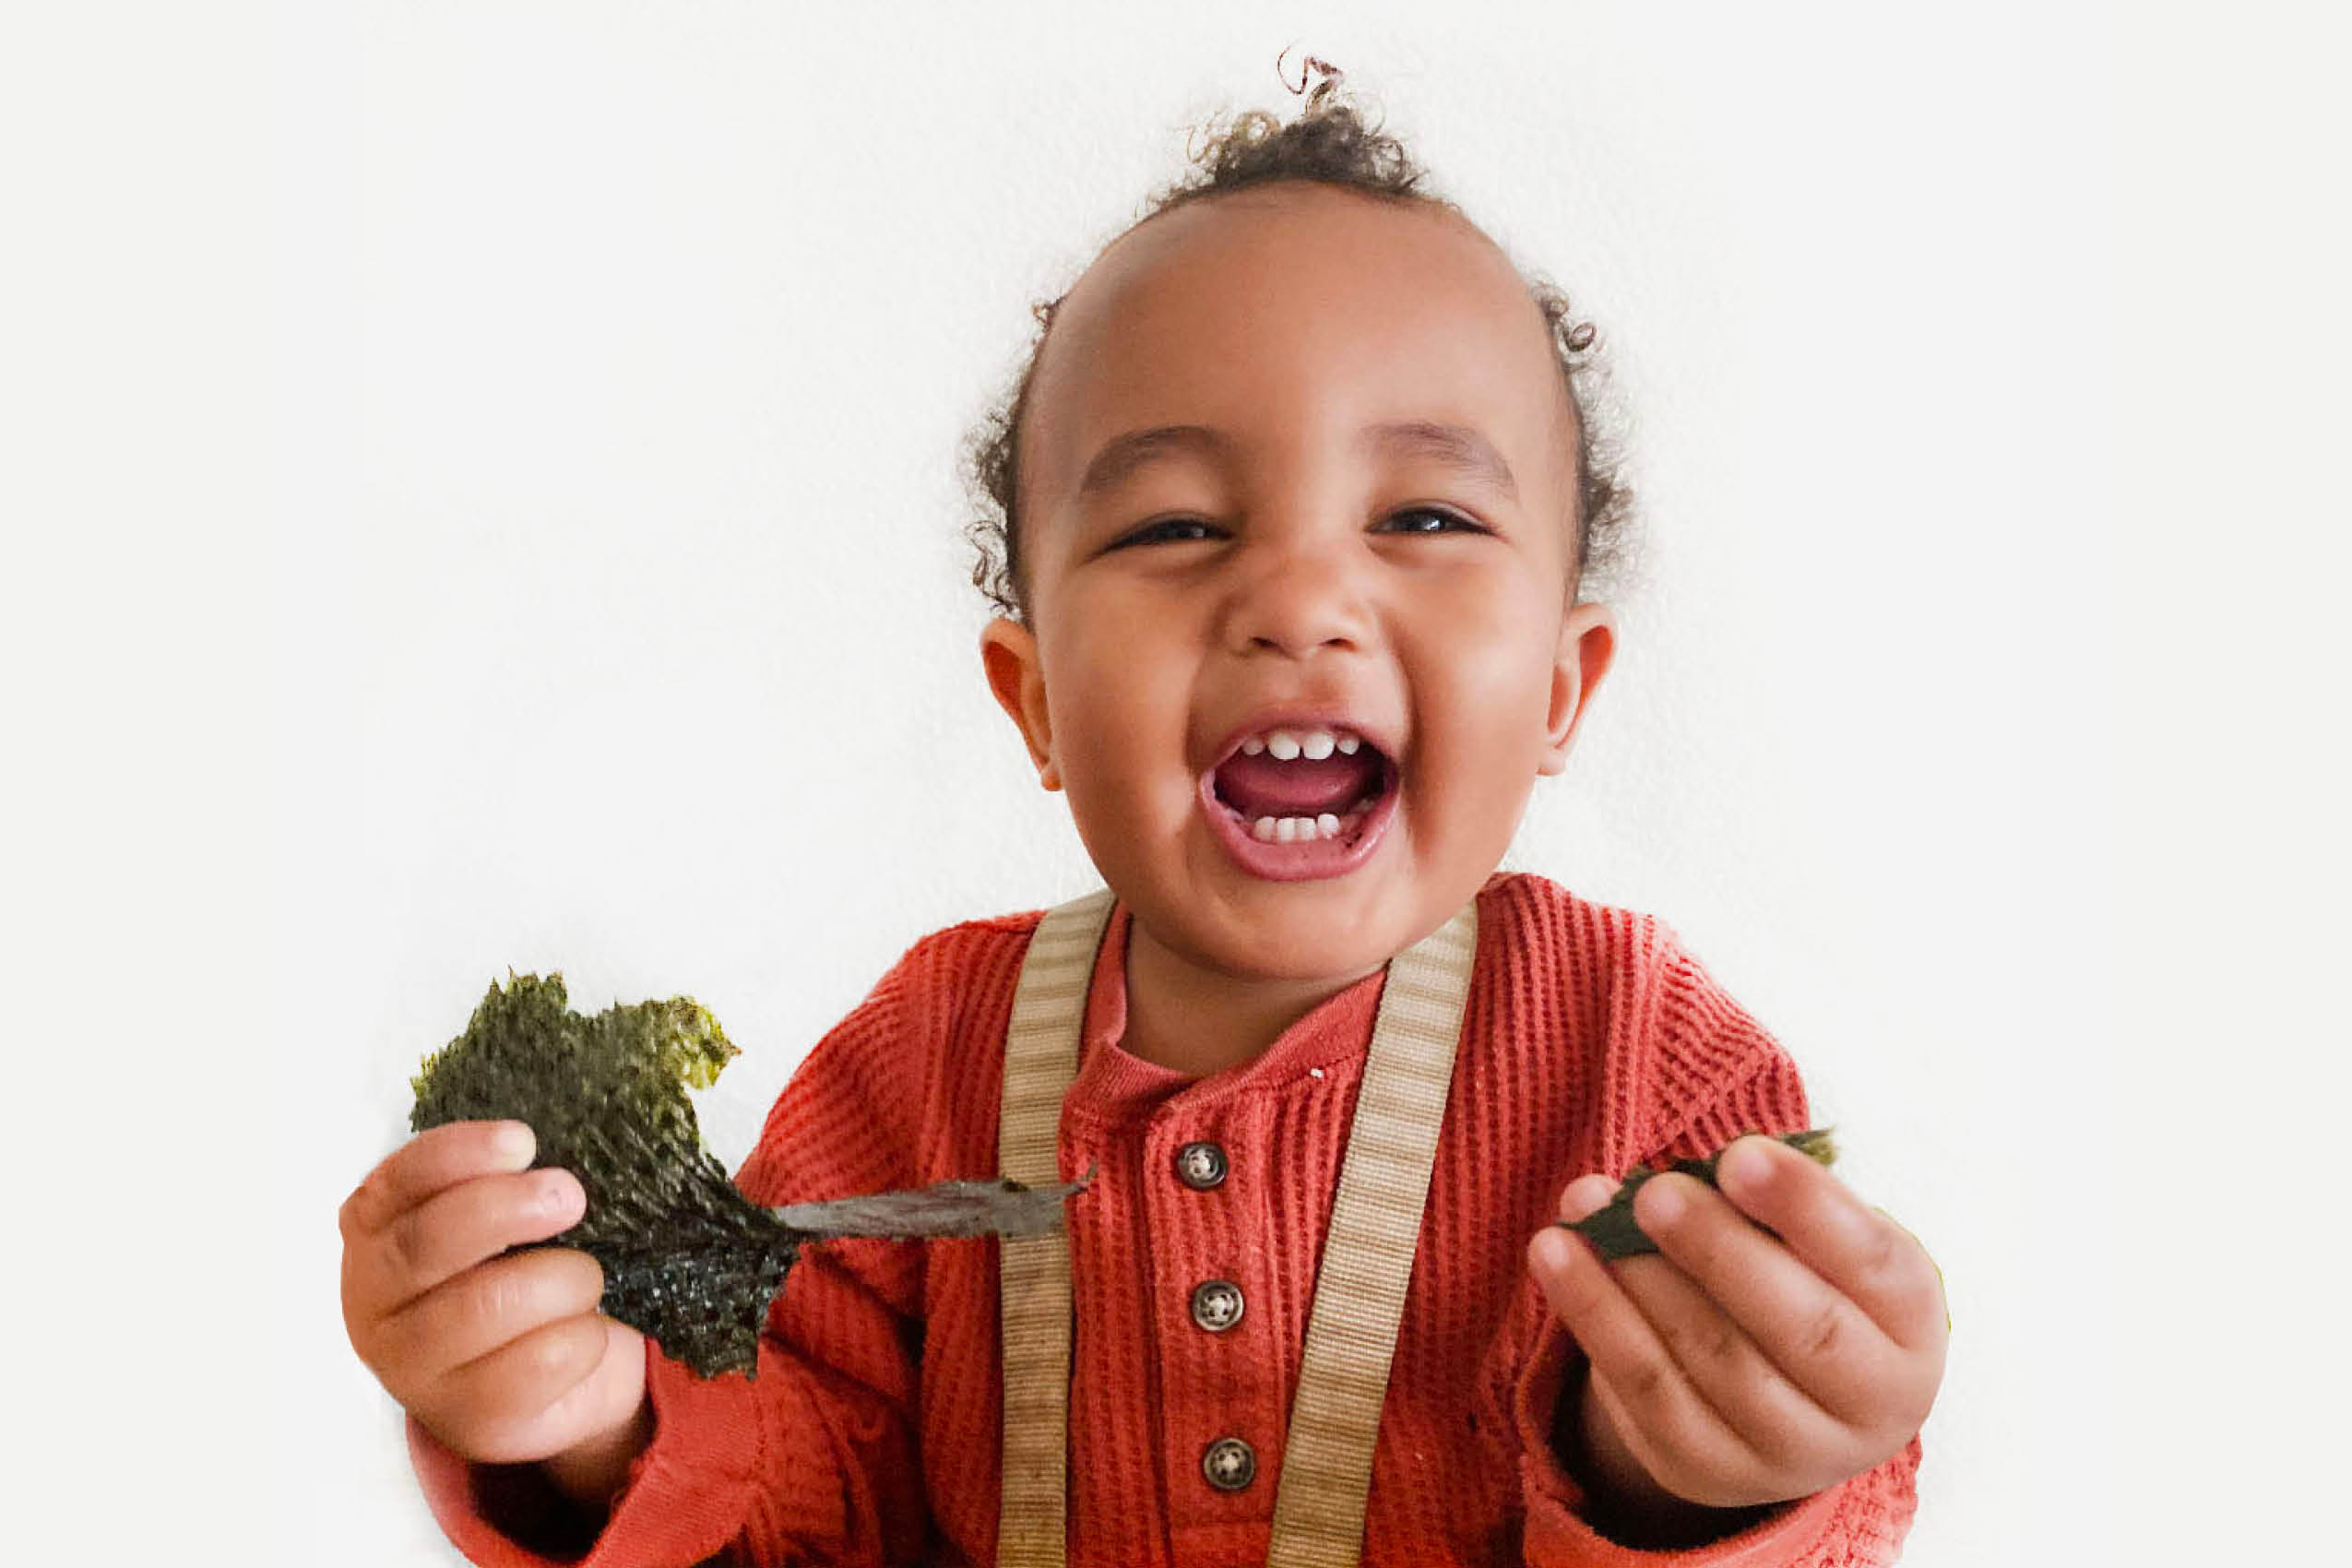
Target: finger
[437,1158]
[1585,1194]
[1716,1485]
[521,1401]
[1823,1343]
[1865,1257]
[472,1315]
[454,1229]
[1621,1346]
[1942,1288]
[1748,1393]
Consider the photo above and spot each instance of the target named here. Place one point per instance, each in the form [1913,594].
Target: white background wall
[603,607]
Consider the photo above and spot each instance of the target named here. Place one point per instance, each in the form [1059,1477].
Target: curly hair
[1328,143]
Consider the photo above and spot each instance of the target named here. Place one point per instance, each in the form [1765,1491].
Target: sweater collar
[1112,1083]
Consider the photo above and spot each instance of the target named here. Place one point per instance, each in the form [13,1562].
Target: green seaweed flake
[687,1259]
[1610,1227]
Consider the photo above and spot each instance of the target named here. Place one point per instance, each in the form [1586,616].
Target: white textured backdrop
[605,608]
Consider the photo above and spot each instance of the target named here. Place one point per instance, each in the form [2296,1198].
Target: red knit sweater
[1592,1042]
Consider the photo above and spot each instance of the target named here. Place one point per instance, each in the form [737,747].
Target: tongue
[1260,786]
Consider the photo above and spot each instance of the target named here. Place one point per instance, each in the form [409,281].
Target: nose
[1296,597]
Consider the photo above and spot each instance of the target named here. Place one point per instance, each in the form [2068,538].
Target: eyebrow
[1457,446]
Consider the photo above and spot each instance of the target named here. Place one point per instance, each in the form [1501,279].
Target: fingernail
[560,1192]
[514,1144]
[1663,1201]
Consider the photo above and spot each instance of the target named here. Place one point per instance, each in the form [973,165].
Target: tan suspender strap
[1368,1255]
[1041,1059]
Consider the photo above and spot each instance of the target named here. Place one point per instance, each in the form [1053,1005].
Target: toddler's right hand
[504,1359]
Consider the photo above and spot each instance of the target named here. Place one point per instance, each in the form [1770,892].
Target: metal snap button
[1229,1464]
[1216,1304]
[1200,1166]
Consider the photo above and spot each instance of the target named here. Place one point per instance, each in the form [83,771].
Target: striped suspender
[1368,1256]
[1359,1297]
[1041,1058]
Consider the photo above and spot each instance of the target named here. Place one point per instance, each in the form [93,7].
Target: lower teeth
[1298,829]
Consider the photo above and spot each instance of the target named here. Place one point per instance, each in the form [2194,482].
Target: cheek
[1488,653]
[1483,703]
[1121,713]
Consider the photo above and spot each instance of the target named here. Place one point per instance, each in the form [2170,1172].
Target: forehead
[1300,314]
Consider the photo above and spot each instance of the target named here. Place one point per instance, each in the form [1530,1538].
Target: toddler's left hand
[1744,1364]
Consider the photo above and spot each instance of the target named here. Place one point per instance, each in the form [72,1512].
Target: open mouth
[1284,813]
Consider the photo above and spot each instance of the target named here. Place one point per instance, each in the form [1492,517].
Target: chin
[1289,947]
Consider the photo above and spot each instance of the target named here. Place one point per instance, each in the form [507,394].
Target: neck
[1197,1020]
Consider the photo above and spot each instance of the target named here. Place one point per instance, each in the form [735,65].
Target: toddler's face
[1295,570]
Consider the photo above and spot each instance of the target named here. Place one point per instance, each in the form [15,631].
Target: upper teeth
[1289,744]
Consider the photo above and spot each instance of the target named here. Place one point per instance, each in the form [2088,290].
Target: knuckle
[1708,1342]
[1882,1261]
[407,1247]
[1824,1334]
[1721,1345]
[1775,1429]
[563,1274]
[1646,1384]
[509,1300]
[544,1285]
[361,1212]
[1774,1446]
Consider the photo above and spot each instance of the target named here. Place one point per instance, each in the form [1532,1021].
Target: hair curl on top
[1330,145]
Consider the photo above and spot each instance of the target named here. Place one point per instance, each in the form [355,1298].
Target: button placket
[1216,1306]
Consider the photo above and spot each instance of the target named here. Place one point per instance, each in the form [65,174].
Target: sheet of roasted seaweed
[1610,1227]
[687,1259]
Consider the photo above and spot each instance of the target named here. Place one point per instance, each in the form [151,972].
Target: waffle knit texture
[1592,1040]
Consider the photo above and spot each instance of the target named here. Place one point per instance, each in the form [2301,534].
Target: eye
[1458,523]
[1161,530]
[1169,529]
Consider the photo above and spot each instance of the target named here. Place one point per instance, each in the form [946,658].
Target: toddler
[1296,491]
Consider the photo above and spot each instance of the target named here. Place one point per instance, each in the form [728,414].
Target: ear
[1588,643]
[1008,654]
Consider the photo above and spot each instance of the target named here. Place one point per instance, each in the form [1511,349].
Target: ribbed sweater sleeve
[812,1461]
[1694,1071]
